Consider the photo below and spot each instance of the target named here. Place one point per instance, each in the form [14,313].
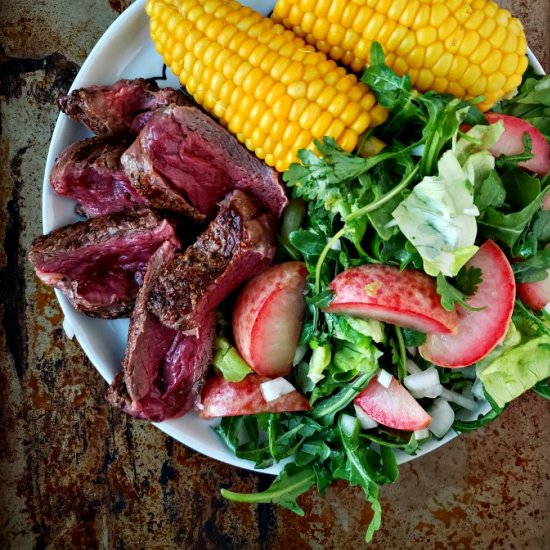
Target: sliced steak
[122,108]
[163,368]
[90,173]
[185,162]
[99,263]
[238,244]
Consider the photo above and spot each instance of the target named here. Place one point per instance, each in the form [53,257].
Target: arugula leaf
[326,409]
[364,467]
[508,228]
[532,103]
[533,269]
[490,192]
[292,482]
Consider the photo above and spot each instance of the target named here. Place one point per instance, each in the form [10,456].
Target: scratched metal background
[76,474]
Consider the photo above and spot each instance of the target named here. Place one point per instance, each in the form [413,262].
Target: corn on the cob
[274,93]
[466,48]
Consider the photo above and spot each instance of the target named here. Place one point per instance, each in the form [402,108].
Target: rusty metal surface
[76,474]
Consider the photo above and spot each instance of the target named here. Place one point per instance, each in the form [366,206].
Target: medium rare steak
[238,244]
[163,368]
[90,173]
[185,162]
[122,108]
[99,263]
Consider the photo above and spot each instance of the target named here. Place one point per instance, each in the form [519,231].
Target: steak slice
[238,244]
[90,173]
[122,108]
[185,162]
[99,263]
[163,368]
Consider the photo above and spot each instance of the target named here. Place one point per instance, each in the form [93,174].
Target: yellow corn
[272,91]
[462,47]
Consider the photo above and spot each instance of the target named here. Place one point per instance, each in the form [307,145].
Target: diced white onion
[459,399]
[421,434]
[384,378]
[365,421]
[443,417]
[477,390]
[336,245]
[547,307]
[412,367]
[348,423]
[299,355]
[473,211]
[411,350]
[68,328]
[418,151]
[424,383]
[273,389]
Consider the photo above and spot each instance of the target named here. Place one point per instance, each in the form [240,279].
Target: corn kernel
[320,126]
[309,116]
[348,140]
[298,107]
[282,107]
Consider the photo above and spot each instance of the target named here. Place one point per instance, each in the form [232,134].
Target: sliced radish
[535,295]
[478,332]
[222,398]
[511,142]
[267,318]
[393,407]
[406,298]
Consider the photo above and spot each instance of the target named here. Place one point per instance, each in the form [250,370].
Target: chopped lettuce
[320,360]
[517,370]
[228,361]
[438,217]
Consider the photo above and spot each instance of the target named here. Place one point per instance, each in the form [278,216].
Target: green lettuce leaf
[517,370]
[228,361]
[438,217]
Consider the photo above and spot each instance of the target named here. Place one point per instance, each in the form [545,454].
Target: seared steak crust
[121,108]
[163,368]
[99,263]
[238,244]
[185,162]
[89,172]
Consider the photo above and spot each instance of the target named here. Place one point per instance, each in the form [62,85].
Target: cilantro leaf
[451,295]
[533,269]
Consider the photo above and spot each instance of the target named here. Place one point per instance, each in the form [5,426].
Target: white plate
[126,51]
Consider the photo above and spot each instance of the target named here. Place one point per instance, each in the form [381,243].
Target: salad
[412,251]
